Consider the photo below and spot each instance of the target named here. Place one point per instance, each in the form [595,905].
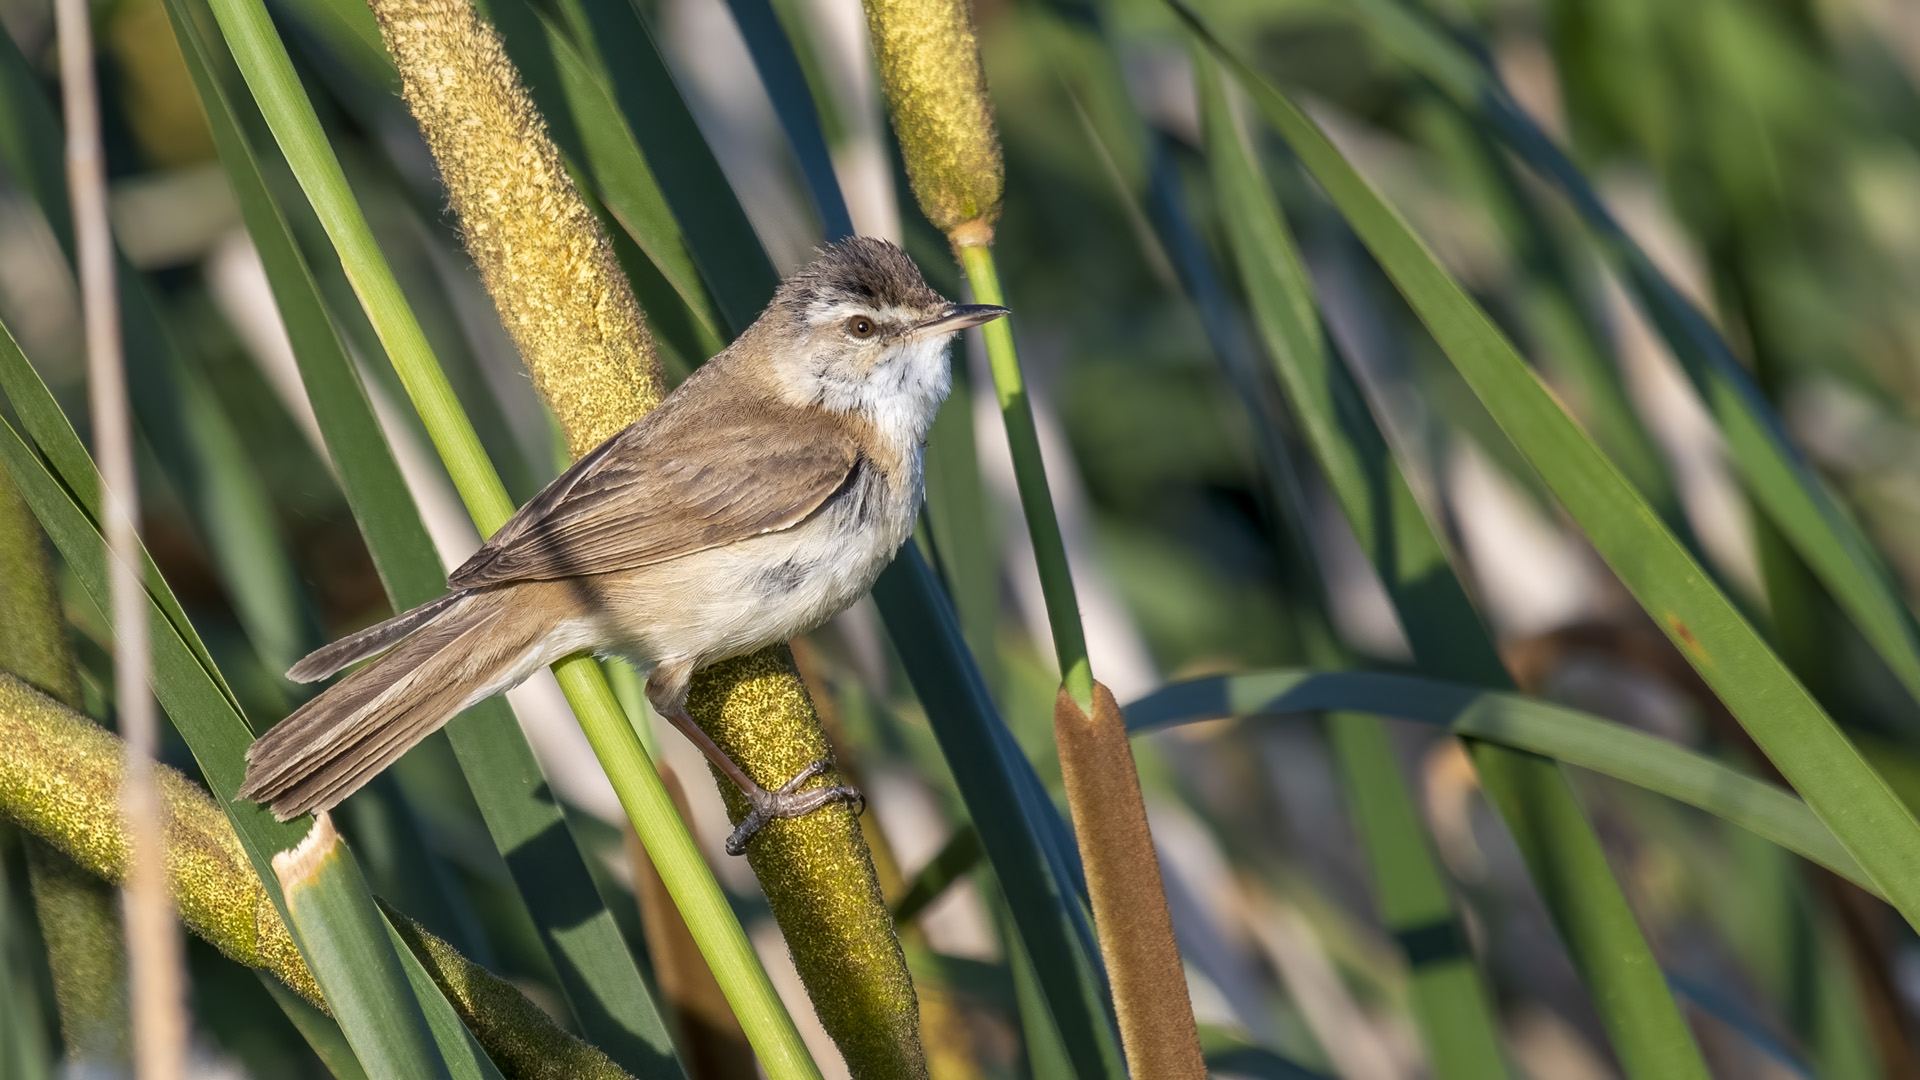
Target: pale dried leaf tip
[298,865]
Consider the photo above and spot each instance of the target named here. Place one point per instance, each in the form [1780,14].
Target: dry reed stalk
[156,959]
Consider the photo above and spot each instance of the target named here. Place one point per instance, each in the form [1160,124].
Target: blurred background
[1765,153]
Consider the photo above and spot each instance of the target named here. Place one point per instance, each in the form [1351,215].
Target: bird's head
[858,329]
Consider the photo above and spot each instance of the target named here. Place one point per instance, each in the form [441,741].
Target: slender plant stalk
[711,1042]
[1130,912]
[929,58]
[1036,500]
[156,962]
[269,73]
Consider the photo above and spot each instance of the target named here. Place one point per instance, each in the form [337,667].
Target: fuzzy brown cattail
[550,271]
[936,91]
[1123,881]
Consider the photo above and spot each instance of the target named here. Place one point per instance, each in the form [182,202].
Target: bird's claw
[790,802]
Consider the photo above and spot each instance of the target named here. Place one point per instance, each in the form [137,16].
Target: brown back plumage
[701,472]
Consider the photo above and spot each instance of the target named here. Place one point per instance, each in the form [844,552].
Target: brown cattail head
[542,255]
[1130,915]
[936,92]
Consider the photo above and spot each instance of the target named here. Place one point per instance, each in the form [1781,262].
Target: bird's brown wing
[658,491]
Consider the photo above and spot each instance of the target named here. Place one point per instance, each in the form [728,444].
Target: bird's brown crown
[861,269]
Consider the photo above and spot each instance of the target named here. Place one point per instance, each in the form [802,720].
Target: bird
[759,499]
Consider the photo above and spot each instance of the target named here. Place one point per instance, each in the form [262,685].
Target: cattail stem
[712,1046]
[156,962]
[936,92]
[1030,473]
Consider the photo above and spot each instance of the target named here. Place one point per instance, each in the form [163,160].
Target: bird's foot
[790,802]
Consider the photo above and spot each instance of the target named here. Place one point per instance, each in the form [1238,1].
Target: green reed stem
[269,74]
[1030,472]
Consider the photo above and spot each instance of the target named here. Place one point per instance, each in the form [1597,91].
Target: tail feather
[330,659]
[471,646]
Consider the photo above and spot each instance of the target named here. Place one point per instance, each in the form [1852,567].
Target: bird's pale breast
[752,593]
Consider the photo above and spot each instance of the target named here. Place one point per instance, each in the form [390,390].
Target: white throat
[899,396]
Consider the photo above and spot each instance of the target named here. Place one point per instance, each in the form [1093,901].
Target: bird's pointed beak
[960,316]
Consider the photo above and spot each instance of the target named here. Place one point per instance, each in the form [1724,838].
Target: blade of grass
[1449,996]
[597,975]
[1563,852]
[344,940]
[1779,479]
[997,783]
[1801,740]
[264,63]
[317,1028]
[1451,999]
[1551,731]
[1567,338]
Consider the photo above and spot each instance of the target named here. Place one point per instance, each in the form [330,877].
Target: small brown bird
[761,498]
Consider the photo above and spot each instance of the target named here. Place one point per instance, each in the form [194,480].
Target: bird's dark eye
[860,326]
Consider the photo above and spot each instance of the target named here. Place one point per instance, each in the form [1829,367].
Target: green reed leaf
[1788,725]
[1562,851]
[1551,731]
[1777,476]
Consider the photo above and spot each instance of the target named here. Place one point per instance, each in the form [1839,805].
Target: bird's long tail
[442,657]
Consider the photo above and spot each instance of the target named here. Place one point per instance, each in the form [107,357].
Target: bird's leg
[667,691]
